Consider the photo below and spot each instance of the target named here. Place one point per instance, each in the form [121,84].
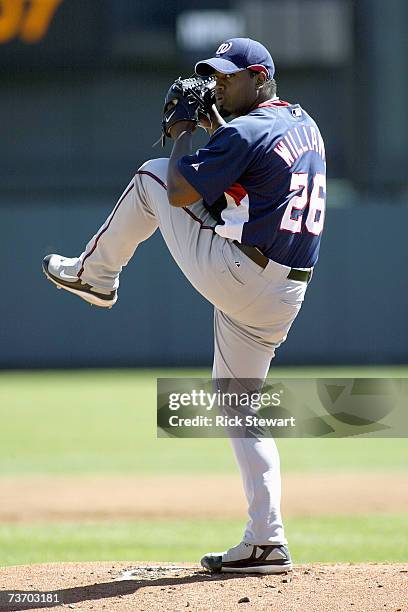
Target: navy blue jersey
[263,178]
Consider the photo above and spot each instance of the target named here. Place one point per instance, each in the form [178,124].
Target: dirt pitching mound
[116,587]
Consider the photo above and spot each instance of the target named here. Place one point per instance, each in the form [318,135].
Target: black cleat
[60,271]
[250,559]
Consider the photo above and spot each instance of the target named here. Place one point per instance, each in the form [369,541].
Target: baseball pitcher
[242,218]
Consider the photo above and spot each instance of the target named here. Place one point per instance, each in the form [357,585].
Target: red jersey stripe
[237,192]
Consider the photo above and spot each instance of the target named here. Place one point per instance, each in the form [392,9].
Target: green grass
[89,422]
[104,422]
[327,539]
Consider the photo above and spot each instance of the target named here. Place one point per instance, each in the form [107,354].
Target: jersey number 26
[293,215]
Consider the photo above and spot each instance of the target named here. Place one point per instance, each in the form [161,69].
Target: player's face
[235,93]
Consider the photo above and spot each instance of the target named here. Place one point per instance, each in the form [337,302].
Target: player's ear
[260,80]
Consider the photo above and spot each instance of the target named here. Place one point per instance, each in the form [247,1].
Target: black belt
[261,260]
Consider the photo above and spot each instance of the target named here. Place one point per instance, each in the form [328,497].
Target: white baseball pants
[253,311]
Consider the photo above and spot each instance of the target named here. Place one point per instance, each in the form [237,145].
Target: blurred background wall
[82,85]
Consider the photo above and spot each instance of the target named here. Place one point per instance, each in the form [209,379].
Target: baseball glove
[186,100]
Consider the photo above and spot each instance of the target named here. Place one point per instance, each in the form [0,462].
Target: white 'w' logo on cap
[223,48]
